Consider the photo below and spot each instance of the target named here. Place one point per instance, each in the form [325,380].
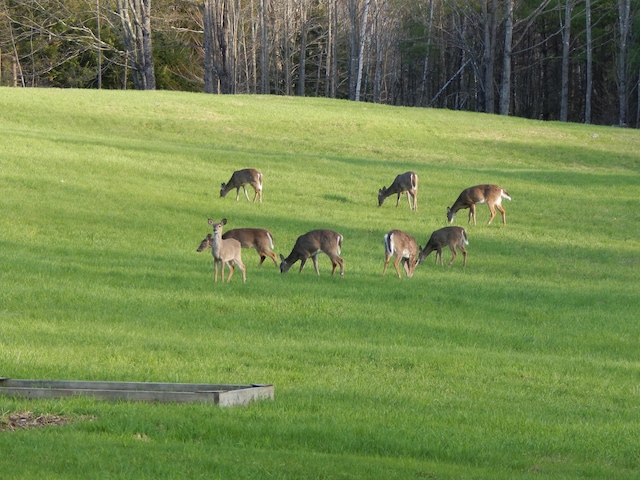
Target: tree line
[566,60]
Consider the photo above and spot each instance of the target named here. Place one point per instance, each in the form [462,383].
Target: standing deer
[492,195]
[257,238]
[241,178]
[451,236]
[405,249]
[405,182]
[225,252]
[310,245]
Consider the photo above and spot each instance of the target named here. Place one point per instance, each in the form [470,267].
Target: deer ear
[209,236]
[223,221]
[281,257]
[211,222]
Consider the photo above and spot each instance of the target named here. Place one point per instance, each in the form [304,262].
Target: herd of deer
[226,248]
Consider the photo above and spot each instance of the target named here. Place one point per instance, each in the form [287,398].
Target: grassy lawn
[526,364]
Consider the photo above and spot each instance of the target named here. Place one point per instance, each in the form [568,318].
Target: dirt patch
[27,420]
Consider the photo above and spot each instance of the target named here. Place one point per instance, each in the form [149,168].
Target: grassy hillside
[523,365]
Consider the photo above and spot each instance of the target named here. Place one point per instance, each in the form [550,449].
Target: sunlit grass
[524,364]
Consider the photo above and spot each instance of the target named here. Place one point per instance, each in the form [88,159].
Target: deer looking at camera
[310,245]
[454,237]
[405,182]
[492,195]
[257,238]
[404,248]
[225,252]
[241,178]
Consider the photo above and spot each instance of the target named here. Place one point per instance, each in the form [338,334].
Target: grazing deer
[405,249]
[310,245]
[405,182]
[452,236]
[241,178]
[225,252]
[492,195]
[257,238]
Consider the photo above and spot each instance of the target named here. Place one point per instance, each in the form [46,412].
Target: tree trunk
[264,47]
[148,73]
[303,49]
[566,45]
[624,19]
[589,66]
[363,41]
[489,54]
[505,90]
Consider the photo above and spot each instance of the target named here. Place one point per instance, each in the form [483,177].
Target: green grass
[526,364]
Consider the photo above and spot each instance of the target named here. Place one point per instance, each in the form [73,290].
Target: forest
[562,60]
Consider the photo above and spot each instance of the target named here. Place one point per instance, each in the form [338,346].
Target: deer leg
[492,210]
[244,188]
[386,263]
[472,214]
[405,265]
[231,270]
[464,255]
[215,270]
[503,213]
[314,259]
[302,262]
[242,268]
[453,254]
[395,264]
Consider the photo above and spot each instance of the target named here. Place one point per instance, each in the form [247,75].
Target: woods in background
[567,60]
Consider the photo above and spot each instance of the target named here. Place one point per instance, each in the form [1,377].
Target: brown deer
[405,182]
[310,245]
[257,238]
[405,249]
[492,195]
[451,236]
[225,252]
[241,178]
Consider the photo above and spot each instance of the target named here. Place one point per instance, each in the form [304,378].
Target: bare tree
[624,24]
[566,46]
[505,89]
[589,64]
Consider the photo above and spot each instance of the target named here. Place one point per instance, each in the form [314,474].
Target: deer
[225,252]
[492,195]
[404,248]
[240,178]
[454,237]
[257,238]
[405,182]
[310,245]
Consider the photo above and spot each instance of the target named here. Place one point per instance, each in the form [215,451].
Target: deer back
[251,237]
[404,182]
[242,177]
[450,236]
[397,242]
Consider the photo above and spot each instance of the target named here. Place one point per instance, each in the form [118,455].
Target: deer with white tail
[310,245]
[257,238]
[454,237]
[240,178]
[492,195]
[404,183]
[225,252]
[404,247]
